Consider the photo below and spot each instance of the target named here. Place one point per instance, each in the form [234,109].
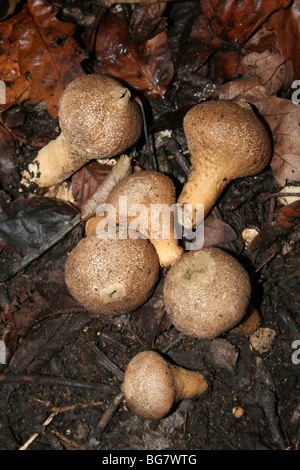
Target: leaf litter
[172,55]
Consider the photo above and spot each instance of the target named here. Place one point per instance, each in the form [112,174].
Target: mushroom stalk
[55,155]
[188,383]
[152,385]
[201,183]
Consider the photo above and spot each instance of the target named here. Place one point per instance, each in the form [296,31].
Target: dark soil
[67,365]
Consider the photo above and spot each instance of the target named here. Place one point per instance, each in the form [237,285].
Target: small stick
[36,434]
[110,410]
[107,363]
[36,253]
[73,445]
[44,380]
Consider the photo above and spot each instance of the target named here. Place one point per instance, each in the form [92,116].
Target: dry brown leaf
[121,169]
[286,24]
[146,66]
[38,52]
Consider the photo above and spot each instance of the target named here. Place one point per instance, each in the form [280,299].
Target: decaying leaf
[87,180]
[8,167]
[236,21]
[28,223]
[146,66]
[118,171]
[283,221]
[286,24]
[40,53]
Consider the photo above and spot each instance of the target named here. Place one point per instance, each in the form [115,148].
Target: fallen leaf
[216,233]
[146,21]
[8,168]
[236,21]
[225,31]
[273,71]
[118,171]
[37,43]
[46,339]
[28,223]
[147,66]
[16,84]
[86,181]
[283,221]
[286,24]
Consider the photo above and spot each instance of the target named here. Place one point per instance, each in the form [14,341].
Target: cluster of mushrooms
[206,292]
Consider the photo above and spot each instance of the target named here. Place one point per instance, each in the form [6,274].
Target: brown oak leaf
[146,66]
[42,53]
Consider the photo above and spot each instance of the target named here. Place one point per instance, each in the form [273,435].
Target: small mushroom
[226,140]
[206,292]
[97,118]
[153,385]
[112,276]
[155,191]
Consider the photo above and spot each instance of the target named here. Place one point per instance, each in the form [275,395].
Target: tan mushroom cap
[206,292]
[149,386]
[230,131]
[112,276]
[97,116]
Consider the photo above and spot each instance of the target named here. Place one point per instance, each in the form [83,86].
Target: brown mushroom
[155,191]
[97,118]
[153,385]
[226,140]
[112,276]
[206,292]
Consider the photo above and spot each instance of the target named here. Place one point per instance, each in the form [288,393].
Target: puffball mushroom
[226,140]
[153,385]
[206,292]
[155,191]
[97,118]
[112,276]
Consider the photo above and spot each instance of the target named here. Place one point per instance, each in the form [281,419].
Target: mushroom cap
[97,116]
[206,292]
[149,386]
[230,134]
[112,276]
[144,187]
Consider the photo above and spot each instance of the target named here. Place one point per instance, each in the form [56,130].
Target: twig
[265,197]
[107,363]
[37,252]
[44,380]
[36,434]
[68,442]
[109,412]
[151,158]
